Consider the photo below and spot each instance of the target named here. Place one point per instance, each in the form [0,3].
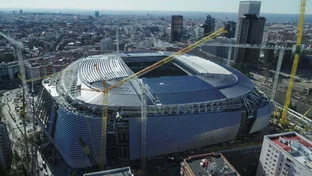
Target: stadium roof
[203,81]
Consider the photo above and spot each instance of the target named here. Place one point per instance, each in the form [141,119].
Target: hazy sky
[268,6]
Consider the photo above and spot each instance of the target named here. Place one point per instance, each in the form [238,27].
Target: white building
[5,147]
[107,44]
[286,153]
[199,33]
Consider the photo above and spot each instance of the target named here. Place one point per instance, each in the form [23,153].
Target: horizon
[57,10]
[267,6]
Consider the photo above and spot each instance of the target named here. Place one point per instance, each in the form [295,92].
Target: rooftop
[206,164]
[296,145]
[124,171]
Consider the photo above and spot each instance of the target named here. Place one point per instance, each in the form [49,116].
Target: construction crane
[87,151]
[143,103]
[284,120]
[19,48]
[169,58]
[299,120]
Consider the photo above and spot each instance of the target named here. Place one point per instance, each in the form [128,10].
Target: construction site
[133,107]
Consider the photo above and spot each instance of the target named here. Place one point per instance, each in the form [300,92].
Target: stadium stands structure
[192,103]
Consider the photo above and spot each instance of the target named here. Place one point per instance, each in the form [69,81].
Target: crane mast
[295,64]
[19,47]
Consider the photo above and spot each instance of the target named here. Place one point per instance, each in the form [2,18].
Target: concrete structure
[230,27]
[125,171]
[219,50]
[9,71]
[21,12]
[286,153]
[107,44]
[97,14]
[176,28]
[209,25]
[207,164]
[250,31]
[5,147]
[191,103]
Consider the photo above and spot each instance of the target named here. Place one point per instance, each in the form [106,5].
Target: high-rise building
[285,154]
[21,12]
[250,31]
[199,33]
[107,44]
[209,25]
[97,14]
[207,164]
[230,27]
[176,28]
[249,8]
[14,12]
[5,147]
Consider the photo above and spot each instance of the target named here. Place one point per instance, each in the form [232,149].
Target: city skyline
[268,6]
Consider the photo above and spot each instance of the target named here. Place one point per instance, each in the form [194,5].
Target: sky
[268,6]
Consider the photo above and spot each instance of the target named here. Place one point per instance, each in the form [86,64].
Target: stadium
[192,102]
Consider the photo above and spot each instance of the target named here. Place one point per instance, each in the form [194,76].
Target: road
[9,100]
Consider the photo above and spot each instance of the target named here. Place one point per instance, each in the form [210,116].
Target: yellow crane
[284,120]
[136,75]
[305,114]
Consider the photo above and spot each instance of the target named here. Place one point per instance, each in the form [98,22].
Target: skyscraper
[248,8]
[97,14]
[176,28]
[21,12]
[230,27]
[209,25]
[250,31]
[5,147]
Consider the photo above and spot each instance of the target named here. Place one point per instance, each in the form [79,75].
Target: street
[10,102]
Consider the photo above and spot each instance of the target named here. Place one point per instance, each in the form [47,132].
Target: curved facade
[191,103]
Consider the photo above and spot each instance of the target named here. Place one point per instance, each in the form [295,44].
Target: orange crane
[295,64]
[134,76]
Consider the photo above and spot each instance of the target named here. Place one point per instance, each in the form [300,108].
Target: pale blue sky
[268,6]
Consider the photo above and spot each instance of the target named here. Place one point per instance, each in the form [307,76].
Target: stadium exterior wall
[69,127]
[168,134]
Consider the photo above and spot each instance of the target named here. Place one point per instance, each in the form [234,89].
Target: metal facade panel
[263,117]
[52,118]
[168,134]
[68,128]
[242,87]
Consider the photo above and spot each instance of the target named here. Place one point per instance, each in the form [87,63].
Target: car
[41,168]
[46,174]
[44,164]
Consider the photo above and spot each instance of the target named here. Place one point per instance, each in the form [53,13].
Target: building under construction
[192,103]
